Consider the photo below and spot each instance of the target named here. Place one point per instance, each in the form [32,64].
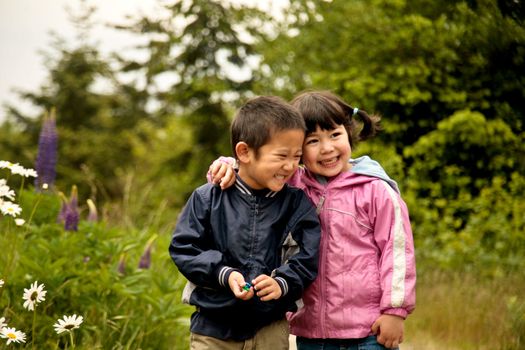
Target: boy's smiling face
[274,163]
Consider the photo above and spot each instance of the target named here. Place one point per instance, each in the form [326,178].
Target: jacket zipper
[322,268]
[254,230]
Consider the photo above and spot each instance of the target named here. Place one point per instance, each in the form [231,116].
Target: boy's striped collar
[245,189]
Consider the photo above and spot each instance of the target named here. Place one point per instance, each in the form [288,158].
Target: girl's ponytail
[371,123]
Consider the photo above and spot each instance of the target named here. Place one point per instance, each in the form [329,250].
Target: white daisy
[34,295]
[1,283]
[5,191]
[29,172]
[68,323]
[2,322]
[9,208]
[5,164]
[19,222]
[12,335]
[17,169]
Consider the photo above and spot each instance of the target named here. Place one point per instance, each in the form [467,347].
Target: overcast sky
[25,27]
[24,32]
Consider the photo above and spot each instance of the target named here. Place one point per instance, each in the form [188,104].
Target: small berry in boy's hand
[247,286]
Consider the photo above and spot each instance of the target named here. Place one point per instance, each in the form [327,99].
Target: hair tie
[355,111]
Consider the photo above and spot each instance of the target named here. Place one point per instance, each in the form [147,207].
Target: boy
[229,243]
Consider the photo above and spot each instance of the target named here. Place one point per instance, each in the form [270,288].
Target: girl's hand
[389,330]
[267,288]
[221,172]
[236,283]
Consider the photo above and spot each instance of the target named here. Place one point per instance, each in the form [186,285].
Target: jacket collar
[245,189]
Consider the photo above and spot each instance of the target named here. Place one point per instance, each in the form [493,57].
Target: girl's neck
[325,179]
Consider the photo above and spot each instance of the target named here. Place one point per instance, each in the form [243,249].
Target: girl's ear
[243,152]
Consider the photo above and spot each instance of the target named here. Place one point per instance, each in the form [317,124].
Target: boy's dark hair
[328,110]
[260,117]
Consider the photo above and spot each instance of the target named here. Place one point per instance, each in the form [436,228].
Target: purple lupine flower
[68,214]
[72,216]
[46,159]
[145,259]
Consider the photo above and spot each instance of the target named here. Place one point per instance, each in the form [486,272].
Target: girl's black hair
[327,110]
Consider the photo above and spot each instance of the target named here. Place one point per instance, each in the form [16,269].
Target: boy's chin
[276,187]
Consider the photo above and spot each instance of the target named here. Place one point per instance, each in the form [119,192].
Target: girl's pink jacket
[366,260]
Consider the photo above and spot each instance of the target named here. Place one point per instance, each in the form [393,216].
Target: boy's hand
[389,330]
[236,283]
[267,288]
[221,173]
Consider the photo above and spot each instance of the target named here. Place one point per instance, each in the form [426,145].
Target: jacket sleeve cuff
[283,284]
[396,312]
[224,274]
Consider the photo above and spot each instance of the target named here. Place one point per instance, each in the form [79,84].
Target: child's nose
[326,147]
[289,164]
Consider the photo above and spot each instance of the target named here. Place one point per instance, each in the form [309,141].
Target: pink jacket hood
[366,260]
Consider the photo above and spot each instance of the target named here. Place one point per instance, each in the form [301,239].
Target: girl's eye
[335,134]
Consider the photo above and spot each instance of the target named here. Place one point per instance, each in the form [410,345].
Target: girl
[365,286]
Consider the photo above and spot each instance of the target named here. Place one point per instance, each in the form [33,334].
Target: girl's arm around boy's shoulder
[188,247]
[301,268]
[393,236]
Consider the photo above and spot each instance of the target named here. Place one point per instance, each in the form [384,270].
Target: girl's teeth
[329,161]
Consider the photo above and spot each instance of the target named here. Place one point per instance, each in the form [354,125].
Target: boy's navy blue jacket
[240,229]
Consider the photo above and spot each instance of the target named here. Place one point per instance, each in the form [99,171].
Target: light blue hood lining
[367,166]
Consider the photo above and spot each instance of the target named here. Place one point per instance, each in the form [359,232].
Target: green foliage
[416,62]
[464,153]
[132,308]
[465,196]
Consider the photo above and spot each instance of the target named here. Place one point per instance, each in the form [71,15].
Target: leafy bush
[91,272]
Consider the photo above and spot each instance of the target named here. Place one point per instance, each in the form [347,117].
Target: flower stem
[11,256]
[34,209]
[72,339]
[20,190]
[33,332]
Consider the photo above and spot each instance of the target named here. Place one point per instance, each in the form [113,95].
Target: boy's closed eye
[311,141]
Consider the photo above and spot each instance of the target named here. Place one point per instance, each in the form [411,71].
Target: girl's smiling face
[327,152]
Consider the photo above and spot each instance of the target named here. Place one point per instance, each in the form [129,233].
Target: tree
[196,52]
[415,62]
[93,126]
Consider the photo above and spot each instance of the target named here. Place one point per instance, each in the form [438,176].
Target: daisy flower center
[69,326]
[34,296]
[11,335]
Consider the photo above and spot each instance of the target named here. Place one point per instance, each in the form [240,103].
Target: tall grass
[463,310]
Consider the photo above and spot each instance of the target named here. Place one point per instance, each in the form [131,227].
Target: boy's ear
[243,152]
